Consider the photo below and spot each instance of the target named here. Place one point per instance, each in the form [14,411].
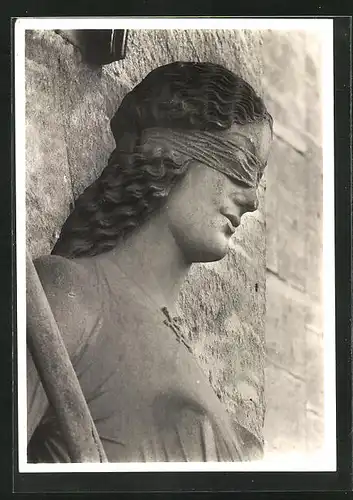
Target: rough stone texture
[284,59]
[285,422]
[294,330]
[69,138]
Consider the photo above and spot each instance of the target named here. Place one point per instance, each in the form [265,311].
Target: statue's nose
[250,201]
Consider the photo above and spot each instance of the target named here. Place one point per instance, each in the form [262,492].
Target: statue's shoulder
[71,292]
[59,275]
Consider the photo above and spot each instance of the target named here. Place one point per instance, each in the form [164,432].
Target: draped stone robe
[147,395]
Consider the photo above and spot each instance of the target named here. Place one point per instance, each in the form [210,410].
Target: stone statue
[192,142]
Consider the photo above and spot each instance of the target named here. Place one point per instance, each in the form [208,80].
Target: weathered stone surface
[294,204]
[314,203]
[315,428]
[314,364]
[314,258]
[313,58]
[238,50]
[285,406]
[283,74]
[224,304]
[286,198]
[82,98]
[313,125]
[285,325]
[48,183]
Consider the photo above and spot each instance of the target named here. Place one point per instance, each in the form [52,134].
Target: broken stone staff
[58,376]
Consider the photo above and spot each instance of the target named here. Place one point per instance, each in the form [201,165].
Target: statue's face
[206,207]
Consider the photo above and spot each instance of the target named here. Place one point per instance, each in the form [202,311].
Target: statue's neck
[153,261]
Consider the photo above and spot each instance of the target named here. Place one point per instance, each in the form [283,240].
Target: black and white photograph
[175,244]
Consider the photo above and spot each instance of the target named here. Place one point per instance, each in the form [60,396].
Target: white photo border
[327,461]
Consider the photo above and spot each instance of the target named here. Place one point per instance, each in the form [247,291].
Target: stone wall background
[68,140]
[294,330]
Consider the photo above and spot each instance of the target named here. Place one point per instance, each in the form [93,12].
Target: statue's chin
[208,255]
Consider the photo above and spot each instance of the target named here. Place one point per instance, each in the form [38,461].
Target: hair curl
[183,95]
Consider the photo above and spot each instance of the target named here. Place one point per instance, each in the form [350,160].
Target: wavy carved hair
[182,95]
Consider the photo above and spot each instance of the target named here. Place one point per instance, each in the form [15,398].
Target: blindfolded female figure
[192,141]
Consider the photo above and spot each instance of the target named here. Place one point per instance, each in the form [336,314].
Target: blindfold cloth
[233,154]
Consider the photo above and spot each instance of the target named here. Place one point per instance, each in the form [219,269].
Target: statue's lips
[233,220]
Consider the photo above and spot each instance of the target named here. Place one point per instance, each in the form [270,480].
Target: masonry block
[288,434]
[314,114]
[315,201]
[284,76]
[314,364]
[315,429]
[315,265]
[313,58]
[285,326]
[286,198]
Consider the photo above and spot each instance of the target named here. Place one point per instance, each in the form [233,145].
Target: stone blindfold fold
[219,150]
